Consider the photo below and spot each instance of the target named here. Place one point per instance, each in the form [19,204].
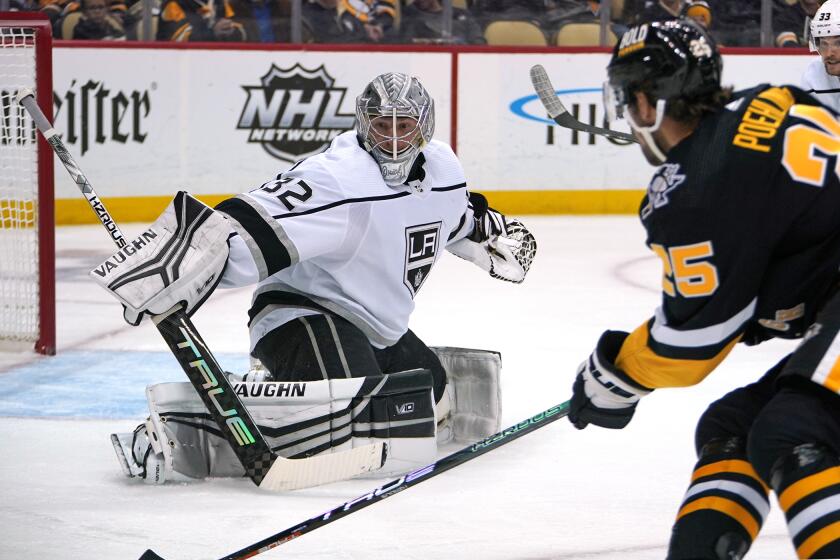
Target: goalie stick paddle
[559,114]
[264,467]
[397,485]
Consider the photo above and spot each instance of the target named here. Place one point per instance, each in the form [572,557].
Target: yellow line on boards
[148,208]
[71,211]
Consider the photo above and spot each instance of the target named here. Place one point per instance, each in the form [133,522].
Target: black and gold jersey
[745,216]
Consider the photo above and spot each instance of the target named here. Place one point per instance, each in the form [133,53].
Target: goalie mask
[395,119]
[666,59]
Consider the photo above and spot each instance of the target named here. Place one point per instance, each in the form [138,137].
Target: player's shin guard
[807,482]
[724,507]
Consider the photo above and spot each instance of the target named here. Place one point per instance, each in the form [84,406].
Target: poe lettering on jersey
[420,252]
[762,119]
[633,40]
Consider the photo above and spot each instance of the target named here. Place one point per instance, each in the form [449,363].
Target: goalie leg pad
[474,387]
[300,419]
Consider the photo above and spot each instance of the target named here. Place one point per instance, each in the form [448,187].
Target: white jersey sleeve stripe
[706,336]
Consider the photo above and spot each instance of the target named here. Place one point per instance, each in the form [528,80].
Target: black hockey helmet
[669,59]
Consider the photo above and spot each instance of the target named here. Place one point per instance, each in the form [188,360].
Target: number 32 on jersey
[687,269]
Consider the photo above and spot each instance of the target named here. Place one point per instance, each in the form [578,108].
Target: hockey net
[27,254]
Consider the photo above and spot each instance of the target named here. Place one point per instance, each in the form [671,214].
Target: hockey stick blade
[264,467]
[559,114]
[398,485]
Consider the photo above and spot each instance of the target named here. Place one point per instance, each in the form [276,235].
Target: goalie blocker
[180,442]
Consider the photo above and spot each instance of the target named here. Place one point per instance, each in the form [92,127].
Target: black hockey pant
[319,347]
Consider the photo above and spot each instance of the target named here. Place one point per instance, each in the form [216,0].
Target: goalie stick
[264,467]
[397,485]
[559,114]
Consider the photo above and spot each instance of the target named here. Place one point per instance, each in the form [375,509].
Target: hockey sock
[723,509]
[808,485]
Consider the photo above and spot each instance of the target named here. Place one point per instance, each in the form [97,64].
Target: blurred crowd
[495,22]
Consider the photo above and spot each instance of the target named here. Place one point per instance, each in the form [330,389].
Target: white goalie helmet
[826,23]
[395,119]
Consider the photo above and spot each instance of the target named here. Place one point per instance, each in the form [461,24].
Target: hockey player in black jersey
[744,212]
[338,246]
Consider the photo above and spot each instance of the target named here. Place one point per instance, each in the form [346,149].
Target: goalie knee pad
[298,419]
[724,507]
[471,408]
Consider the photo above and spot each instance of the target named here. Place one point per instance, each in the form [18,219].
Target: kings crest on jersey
[719,214]
[329,234]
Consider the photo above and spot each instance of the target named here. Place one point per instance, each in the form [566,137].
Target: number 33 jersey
[745,217]
[330,235]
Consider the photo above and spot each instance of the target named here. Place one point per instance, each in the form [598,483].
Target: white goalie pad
[299,419]
[474,387]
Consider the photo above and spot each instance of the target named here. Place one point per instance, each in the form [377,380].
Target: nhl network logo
[294,113]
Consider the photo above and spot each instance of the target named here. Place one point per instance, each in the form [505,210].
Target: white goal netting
[19,284]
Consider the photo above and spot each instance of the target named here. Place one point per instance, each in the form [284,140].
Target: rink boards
[145,122]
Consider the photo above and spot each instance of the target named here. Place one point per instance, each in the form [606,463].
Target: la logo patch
[421,247]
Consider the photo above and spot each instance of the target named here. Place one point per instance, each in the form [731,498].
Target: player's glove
[489,223]
[504,248]
[179,259]
[603,394]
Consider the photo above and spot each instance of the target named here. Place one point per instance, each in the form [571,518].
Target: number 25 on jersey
[808,148]
[687,269]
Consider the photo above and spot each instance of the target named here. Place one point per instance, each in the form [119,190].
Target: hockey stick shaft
[406,481]
[26,98]
[558,113]
[207,376]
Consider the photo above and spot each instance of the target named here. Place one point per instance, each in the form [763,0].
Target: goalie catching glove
[504,248]
[179,259]
[603,394]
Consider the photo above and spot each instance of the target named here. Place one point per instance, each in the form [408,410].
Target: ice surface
[557,493]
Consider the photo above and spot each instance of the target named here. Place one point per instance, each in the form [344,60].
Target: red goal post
[27,223]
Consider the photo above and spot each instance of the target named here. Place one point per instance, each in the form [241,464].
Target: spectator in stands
[422,22]
[133,21]
[264,21]
[738,23]
[658,10]
[368,20]
[92,21]
[321,24]
[792,24]
[54,9]
[532,10]
[592,14]
[193,20]
[700,12]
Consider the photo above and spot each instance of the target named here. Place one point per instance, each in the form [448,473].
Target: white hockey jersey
[821,84]
[330,235]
